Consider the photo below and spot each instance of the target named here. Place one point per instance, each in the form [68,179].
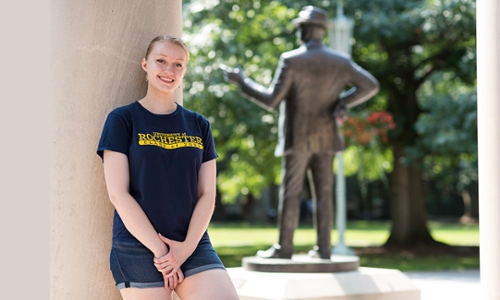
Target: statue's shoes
[316,253]
[274,252]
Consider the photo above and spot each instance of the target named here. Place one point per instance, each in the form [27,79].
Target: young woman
[159,166]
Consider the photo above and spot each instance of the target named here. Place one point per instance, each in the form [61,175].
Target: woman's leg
[213,284]
[158,293]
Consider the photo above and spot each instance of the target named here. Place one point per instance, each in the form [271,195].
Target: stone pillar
[488,77]
[96,49]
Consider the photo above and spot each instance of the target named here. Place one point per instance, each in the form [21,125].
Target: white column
[488,74]
[96,49]
[339,40]
[341,210]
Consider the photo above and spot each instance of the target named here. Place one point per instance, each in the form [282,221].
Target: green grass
[235,241]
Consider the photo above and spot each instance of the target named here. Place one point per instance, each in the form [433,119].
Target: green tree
[403,43]
[448,137]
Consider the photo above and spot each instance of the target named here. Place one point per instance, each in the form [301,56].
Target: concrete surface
[444,285]
[361,284]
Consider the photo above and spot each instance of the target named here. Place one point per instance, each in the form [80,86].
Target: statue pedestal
[358,284]
[302,263]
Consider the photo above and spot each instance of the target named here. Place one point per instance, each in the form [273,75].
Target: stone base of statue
[301,263]
[305,278]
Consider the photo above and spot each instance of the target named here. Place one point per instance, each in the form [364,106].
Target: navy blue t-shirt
[165,153]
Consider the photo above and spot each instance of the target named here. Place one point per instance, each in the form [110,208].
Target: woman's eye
[160,61]
[179,65]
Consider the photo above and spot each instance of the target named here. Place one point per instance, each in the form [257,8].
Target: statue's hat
[312,15]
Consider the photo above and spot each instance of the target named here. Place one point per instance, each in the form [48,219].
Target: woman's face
[165,66]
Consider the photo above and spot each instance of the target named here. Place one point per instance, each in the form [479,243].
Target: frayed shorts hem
[140,285]
[203,268]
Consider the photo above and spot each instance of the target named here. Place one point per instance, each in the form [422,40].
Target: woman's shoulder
[124,109]
[195,115]
[124,112]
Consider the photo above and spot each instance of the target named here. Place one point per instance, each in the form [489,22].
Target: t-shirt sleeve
[115,135]
[209,152]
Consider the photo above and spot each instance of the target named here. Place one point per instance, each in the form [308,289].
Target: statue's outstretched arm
[267,98]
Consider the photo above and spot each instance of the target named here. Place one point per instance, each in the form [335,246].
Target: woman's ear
[144,65]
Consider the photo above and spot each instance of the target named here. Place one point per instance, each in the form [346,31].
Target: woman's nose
[168,68]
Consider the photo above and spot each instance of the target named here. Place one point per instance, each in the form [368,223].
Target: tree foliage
[404,43]
[448,125]
[448,131]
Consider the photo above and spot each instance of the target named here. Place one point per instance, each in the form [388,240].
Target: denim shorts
[131,264]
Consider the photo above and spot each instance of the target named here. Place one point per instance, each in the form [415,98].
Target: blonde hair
[167,38]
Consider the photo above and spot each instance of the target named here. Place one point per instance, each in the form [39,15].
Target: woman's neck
[159,105]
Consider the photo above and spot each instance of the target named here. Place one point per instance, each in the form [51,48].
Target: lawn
[237,240]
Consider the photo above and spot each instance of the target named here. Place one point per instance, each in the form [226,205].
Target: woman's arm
[116,173]
[204,209]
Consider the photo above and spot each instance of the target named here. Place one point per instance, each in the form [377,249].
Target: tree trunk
[467,218]
[248,207]
[408,216]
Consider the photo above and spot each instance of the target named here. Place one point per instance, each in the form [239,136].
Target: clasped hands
[170,264]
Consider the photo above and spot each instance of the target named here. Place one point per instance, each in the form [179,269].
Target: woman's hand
[171,281]
[169,264]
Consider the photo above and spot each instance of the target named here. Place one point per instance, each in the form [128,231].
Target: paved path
[452,285]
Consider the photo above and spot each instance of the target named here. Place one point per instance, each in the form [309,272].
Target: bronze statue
[307,85]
